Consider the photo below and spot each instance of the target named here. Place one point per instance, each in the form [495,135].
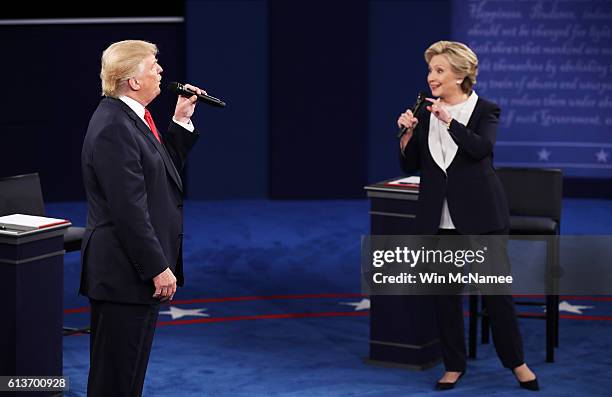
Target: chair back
[533,191]
[21,194]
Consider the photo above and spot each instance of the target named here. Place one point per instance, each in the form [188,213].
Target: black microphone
[417,106]
[180,89]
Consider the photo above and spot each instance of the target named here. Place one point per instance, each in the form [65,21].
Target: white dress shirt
[443,148]
[140,112]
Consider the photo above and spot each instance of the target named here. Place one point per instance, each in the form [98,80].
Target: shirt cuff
[188,126]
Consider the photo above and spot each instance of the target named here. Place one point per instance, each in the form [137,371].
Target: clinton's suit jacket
[134,194]
[475,196]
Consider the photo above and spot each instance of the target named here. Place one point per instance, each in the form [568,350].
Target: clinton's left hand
[186,106]
[438,110]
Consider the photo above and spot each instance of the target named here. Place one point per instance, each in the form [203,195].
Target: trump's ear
[133,83]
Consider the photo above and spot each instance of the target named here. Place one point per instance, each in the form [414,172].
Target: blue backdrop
[314,89]
[549,65]
[227,54]
[399,33]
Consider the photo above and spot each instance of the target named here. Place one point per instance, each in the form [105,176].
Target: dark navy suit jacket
[475,196]
[135,199]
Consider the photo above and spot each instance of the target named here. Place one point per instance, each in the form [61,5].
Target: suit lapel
[435,145]
[437,160]
[475,115]
[170,168]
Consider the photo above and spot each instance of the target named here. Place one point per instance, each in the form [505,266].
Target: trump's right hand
[165,285]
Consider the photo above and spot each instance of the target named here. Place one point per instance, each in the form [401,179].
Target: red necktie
[151,124]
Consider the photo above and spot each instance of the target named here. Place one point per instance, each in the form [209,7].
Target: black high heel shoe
[528,384]
[449,385]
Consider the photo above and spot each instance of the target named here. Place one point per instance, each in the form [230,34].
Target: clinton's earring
[459,81]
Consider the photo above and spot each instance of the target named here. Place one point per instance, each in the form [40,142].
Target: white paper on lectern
[411,180]
[29,222]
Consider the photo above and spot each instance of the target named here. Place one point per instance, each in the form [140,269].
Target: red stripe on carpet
[321,296]
[581,317]
[241,298]
[77,310]
[263,317]
[332,314]
[267,297]
[571,297]
[563,316]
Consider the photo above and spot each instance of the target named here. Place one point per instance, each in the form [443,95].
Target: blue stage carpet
[274,305]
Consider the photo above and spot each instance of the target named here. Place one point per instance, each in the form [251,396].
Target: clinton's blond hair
[462,59]
[121,61]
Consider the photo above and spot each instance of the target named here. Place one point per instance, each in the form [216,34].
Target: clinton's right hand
[408,120]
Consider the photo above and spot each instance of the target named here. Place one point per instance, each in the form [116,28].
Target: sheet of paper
[29,222]
[410,181]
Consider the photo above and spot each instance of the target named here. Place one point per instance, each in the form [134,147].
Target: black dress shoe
[530,384]
[448,385]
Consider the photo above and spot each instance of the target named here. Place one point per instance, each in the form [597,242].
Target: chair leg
[554,263]
[473,332]
[484,323]
[550,328]
[552,297]
[556,304]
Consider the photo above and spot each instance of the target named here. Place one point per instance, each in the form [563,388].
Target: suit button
[181,234]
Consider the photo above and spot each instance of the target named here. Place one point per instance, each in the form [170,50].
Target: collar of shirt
[140,111]
[135,106]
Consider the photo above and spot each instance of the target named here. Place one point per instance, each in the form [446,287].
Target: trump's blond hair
[121,61]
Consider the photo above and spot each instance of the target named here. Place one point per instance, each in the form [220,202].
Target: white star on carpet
[364,304]
[565,306]
[175,312]
[602,156]
[543,155]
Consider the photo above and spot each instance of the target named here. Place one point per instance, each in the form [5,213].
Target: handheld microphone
[417,106]
[181,90]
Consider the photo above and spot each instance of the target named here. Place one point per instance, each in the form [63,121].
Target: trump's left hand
[438,110]
[186,106]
